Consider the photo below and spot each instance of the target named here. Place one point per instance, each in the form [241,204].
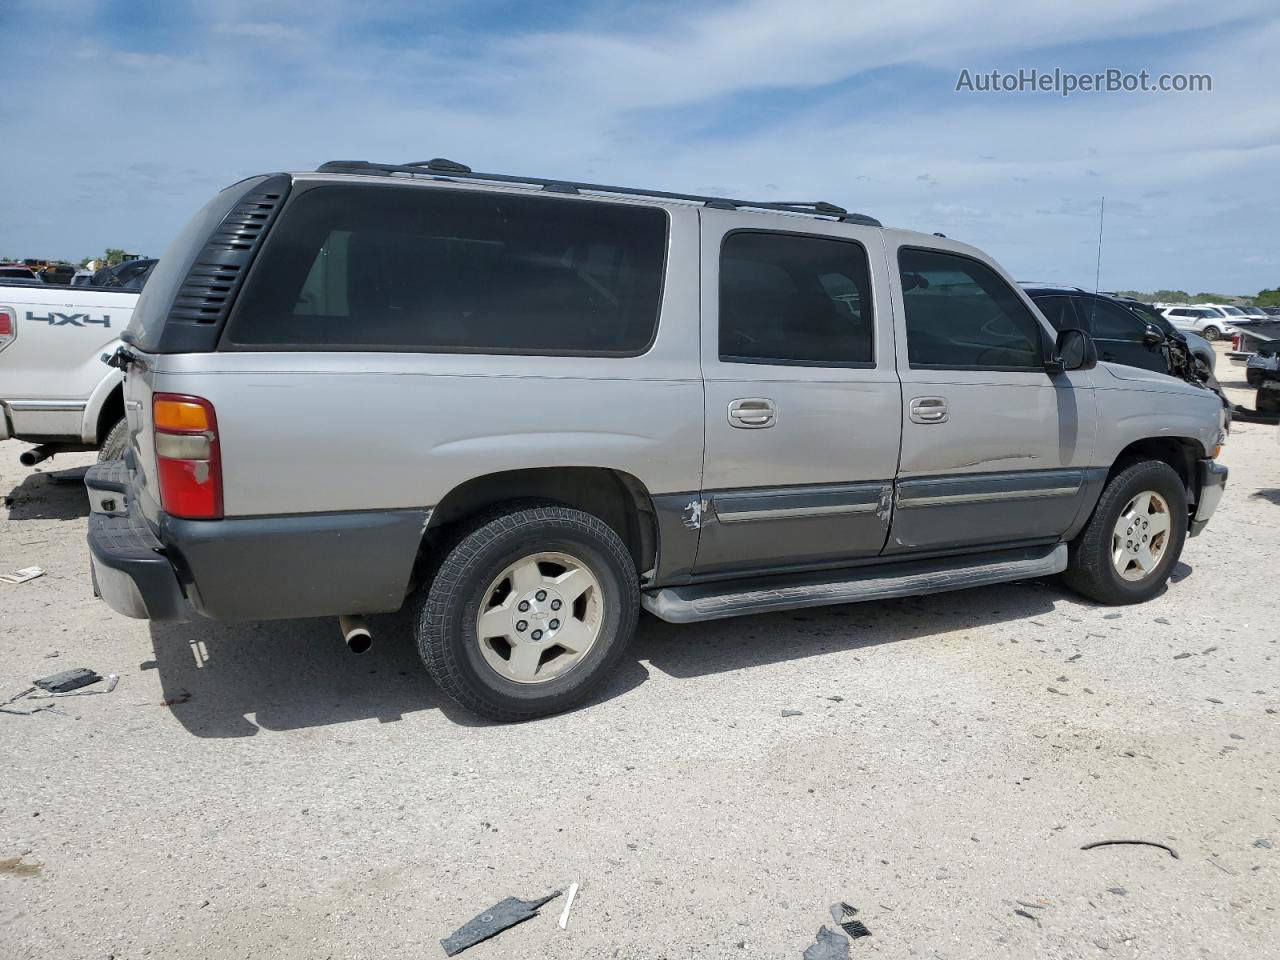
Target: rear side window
[423,270]
[790,298]
[961,314]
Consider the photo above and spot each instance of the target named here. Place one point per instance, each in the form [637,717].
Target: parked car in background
[610,399]
[1125,331]
[10,272]
[55,391]
[1209,322]
[1200,348]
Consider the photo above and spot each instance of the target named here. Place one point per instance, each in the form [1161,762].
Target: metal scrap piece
[829,945]
[843,913]
[502,915]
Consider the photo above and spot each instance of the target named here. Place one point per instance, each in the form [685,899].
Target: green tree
[114,255]
[1267,298]
[1170,296]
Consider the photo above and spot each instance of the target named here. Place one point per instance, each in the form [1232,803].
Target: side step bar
[712,601]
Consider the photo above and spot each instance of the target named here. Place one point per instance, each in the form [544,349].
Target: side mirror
[1073,351]
[1153,336]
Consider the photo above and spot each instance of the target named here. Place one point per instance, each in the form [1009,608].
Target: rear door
[802,402]
[994,448]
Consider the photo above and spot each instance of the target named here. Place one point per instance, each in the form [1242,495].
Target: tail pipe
[356,633]
[30,458]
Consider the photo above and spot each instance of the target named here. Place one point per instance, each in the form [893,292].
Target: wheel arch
[616,497]
[1180,453]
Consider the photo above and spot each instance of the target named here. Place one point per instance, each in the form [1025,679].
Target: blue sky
[120,119]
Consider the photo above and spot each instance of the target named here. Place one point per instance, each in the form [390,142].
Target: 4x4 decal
[71,319]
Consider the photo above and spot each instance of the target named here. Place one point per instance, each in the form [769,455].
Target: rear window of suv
[386,268]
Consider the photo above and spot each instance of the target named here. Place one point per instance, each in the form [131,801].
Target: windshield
[1231,311]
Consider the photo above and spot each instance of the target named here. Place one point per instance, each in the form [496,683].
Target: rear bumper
[250,568]
[1213,482]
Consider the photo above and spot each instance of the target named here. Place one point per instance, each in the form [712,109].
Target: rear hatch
[184,306]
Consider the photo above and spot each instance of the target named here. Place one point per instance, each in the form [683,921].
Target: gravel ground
[256,791]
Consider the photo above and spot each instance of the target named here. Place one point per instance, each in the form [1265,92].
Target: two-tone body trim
[952,491]
[792,503]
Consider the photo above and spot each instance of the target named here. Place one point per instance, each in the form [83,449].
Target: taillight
[1235,341]
[8,327]
[187,461]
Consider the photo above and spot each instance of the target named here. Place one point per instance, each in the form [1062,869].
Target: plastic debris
[793,713]
[568,905]
[67,680]
[1144,843]
[829,945]
[112,680]
[501,916]
[23,575]
[843,914]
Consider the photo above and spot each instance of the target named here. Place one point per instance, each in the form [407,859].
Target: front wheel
[1211,333]
[529,612]
[1135,536]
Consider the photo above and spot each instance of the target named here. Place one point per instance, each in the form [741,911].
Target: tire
[1211,333]
[1094,571]
[1253,377]
[489,564]
[114,442]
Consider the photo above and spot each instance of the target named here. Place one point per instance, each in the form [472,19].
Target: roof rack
[443,169]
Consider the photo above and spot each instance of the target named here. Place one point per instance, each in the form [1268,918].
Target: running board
[712,601]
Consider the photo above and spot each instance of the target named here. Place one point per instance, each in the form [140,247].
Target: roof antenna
[1097,273]
[1097,276]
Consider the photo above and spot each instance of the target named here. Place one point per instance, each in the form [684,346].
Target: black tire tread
[441,604]
[114,442]
[1089,570]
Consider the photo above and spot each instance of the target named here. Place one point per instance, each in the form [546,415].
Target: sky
[118,120]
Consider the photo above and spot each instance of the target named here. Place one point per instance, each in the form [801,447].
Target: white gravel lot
[257,791]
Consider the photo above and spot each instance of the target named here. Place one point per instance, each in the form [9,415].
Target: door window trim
[1043,338]
[782,362]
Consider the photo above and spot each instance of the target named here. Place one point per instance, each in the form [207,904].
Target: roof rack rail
[452,170]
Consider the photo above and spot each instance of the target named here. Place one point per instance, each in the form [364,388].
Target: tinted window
[402,268]
[1112,322]
[1059,312]
[960,313]
[794,299]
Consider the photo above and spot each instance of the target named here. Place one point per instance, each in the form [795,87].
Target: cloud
[820,99]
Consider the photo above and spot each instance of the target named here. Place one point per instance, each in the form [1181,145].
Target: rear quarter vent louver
[208,291]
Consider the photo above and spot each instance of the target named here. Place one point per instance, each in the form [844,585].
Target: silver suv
[529,408]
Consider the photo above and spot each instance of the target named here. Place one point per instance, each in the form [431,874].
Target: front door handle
[929,410]
[752,413]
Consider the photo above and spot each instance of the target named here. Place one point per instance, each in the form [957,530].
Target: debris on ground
[112,680]
[67,680]
[1144,843]
[1118,891]
[568,905]
[828,945]
[501,916]
[843,914]
[1029,916]
[23,575]
[1262,844]
[793,713]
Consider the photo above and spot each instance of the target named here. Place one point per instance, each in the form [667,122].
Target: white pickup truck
[55,391]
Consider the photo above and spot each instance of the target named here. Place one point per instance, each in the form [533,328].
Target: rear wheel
[1211,333]
[114,442]
[1135,536]
[529,612]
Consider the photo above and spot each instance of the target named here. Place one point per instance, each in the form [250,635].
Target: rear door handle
[752,413]
[929,410]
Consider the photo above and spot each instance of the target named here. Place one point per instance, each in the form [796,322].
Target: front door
[802,401]
[994,448]
[1120,336]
